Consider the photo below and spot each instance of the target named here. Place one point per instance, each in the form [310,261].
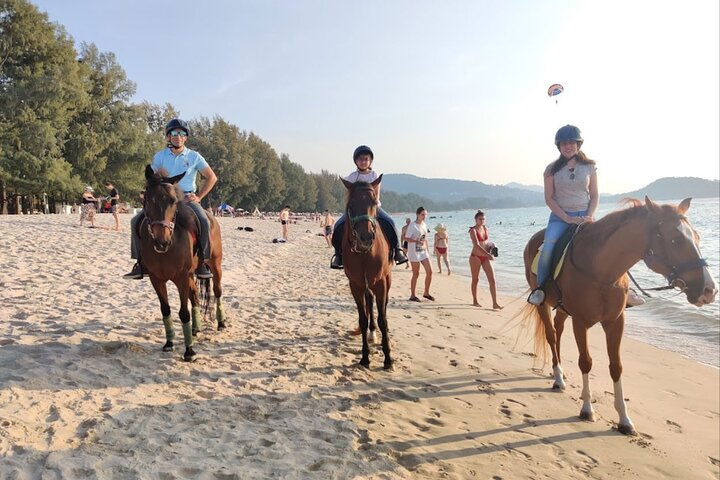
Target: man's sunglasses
[178,133]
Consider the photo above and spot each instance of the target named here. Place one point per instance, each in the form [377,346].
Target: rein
[169,225]
[352,221]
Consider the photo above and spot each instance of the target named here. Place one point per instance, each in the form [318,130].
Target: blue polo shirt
[189,161]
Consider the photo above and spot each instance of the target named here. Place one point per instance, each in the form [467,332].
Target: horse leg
[217,291]
[359,295]
[382,294]
[613,336]
[195,302]
[560,317]
[370,312]
[161,291]
[183,287]
[585,364]
[553,340]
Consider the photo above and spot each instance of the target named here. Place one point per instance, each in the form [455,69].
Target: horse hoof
[221,326]
[168,347]
[189,355]
[372,338]
[558,387]
[195,332]
[388,367]
[627,430]
[365,363]
[587,416]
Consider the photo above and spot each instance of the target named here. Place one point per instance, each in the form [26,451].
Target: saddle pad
[558,267]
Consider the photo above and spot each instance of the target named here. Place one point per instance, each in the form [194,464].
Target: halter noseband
[169,225]
[674,270]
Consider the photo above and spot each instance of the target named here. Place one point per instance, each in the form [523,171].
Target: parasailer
[554,90]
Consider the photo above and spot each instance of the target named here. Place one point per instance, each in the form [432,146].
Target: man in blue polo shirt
[177,159]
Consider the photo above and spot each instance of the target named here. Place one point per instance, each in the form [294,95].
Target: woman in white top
[416,236]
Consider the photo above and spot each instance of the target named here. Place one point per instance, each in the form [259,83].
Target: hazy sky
[439,89]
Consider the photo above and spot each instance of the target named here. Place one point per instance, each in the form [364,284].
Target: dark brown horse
[366,259]
[168,240]
[593,284]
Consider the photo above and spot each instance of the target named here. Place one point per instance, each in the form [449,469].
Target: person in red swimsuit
[480,258]
[442,245]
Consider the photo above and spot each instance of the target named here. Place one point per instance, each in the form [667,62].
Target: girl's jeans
[555,229]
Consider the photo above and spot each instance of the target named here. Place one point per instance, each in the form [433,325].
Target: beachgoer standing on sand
[416,236]
[88,206]
[481,257]
[113,197]
[327,224]
[404,242]
[284,219]
[177,159]
[363,158]
[441,245]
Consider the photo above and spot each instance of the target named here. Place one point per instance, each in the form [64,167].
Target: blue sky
[441,89]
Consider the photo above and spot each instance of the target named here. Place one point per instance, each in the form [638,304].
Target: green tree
[226,149]
[267,175]
[41,90]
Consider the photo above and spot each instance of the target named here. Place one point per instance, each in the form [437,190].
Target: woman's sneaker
[537,297]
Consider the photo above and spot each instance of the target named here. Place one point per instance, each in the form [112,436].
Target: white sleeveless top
[572,188]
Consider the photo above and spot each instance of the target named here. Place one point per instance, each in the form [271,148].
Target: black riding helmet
[362,150]
[177,124]
[568,133]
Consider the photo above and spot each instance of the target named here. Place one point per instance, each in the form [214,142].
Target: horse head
[160,207]
[674,252]
[361,213]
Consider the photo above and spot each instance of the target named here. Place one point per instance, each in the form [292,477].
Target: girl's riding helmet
[362,150]
[568,133]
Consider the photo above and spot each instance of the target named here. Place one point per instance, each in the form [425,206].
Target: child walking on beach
[480,257]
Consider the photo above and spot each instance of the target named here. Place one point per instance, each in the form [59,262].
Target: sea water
[667,320]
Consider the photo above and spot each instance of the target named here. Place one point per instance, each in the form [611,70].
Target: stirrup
[400,257]
[336,262]
[203,272]
[135,274]
[536,297]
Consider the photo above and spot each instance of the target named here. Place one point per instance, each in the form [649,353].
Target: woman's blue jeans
[555,229]
[386,223]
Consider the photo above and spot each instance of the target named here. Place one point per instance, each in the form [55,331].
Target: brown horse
[366,259]
[593,284]
[168,238]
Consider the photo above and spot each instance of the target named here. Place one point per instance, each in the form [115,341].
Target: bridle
[169,225]
[353,221]
[671,271]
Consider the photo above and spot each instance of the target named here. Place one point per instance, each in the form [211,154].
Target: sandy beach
[87,393]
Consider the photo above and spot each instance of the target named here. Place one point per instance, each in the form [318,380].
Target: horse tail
[204,289]
[531,319]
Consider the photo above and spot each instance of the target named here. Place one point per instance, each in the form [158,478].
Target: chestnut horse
[168,238]
[592,286]
[366,260]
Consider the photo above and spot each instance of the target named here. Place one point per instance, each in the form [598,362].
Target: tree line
[67,120]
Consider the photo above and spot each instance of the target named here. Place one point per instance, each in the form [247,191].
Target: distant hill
[532,188]
[673,188]
[449,191]
[456,193]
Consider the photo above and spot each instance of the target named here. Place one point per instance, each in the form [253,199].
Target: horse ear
[347,184]
[684,206]
[149,172]
[175,179]
[651,206]
[377,180]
